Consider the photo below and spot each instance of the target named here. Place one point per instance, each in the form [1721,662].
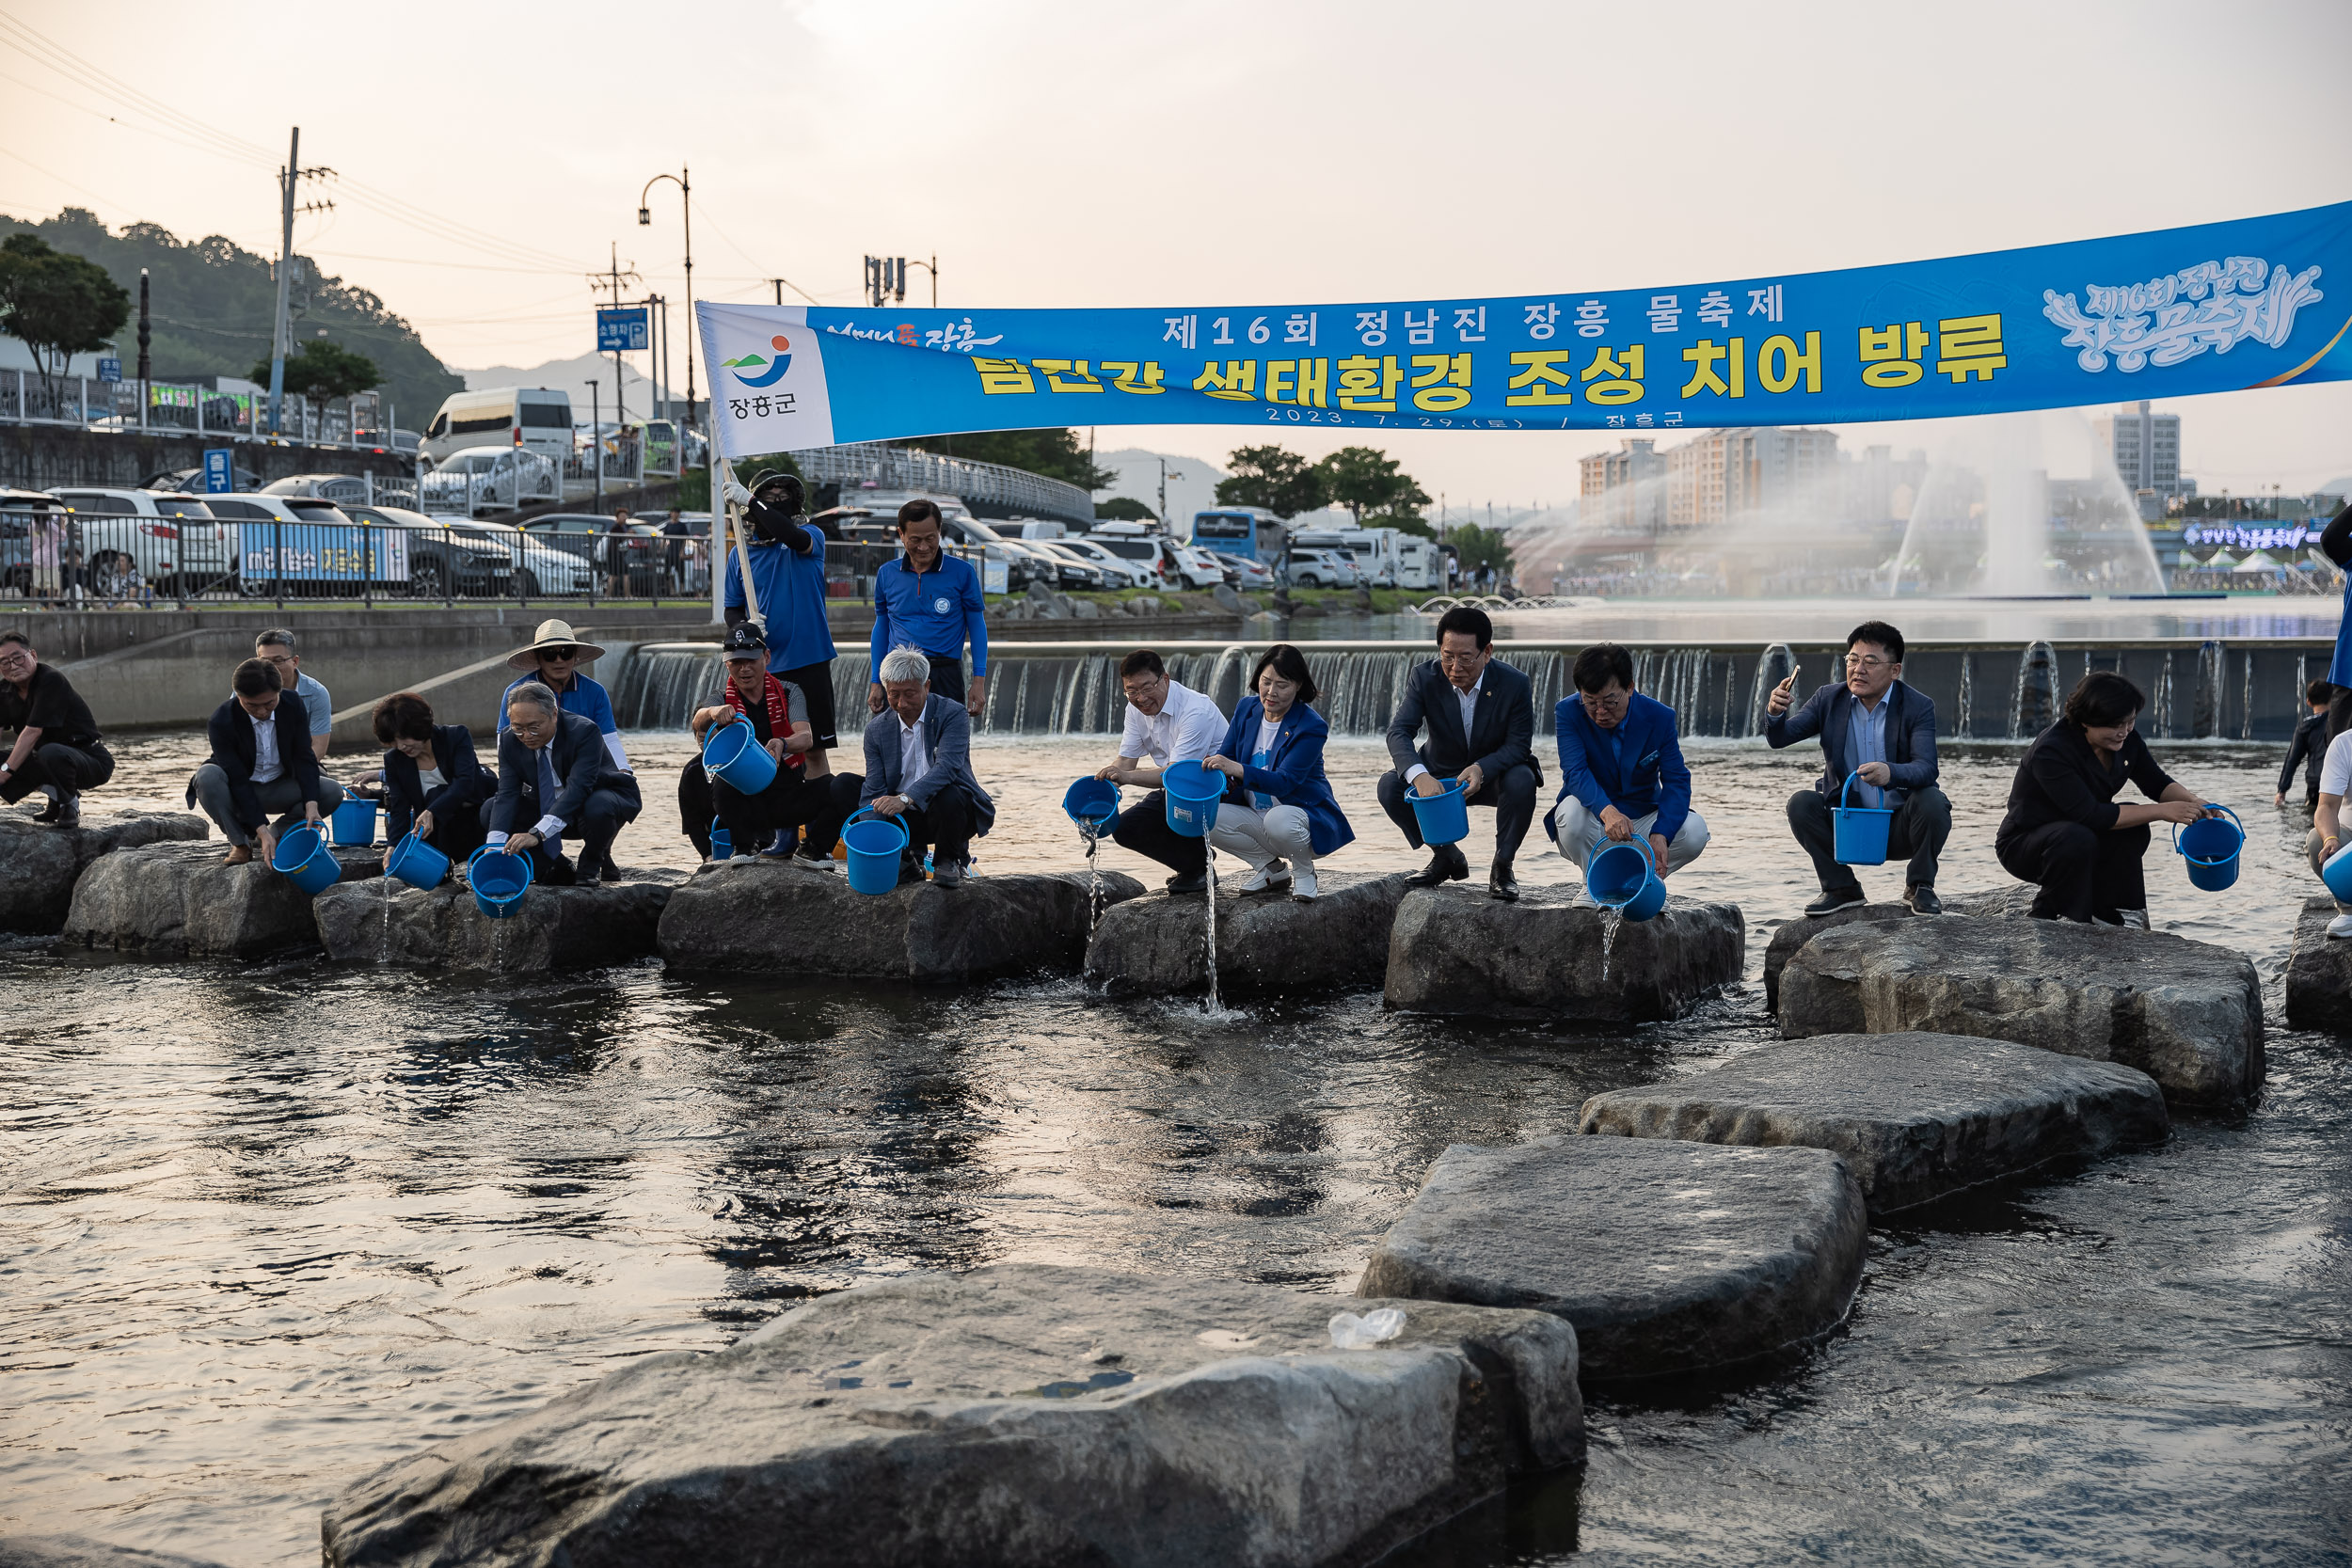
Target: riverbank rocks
[1022,1414]
[748,913]
[2319,972]
[1792,934]
[384,921]
[38,866]
[1670,1258]
[1915,1116]
[1266,943]
[73,1551]
[177,900]
[2187,1015]
[1454,950]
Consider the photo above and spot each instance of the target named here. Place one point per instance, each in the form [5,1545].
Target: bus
[1244,530]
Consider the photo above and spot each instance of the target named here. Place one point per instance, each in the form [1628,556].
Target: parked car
[275,544]
[446,555]
[166,536]
[539,569]
[1121,572]
[1022,566]
[1244,572]
[636,556]
[191,481]
[481,479]
[1200,568]
[1323,569]
[1155,553]
[1075,569]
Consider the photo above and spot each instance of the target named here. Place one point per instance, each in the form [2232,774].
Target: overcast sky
[1058,154]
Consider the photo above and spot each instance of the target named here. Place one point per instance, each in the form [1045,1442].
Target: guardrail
[27,397]
[907,468]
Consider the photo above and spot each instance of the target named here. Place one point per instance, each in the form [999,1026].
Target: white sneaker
[2134,920]
[1265,877]
[1303,885]
[2342,926]
[1583,900]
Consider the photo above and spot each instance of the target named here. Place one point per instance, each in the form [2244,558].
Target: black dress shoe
[1501,885]
[1446,864]
[1830,903]
[1190,882]
[1923,900]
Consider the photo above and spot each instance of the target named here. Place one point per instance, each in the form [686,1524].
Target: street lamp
[683,180]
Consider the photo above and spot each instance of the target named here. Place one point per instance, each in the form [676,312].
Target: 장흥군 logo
[753,370]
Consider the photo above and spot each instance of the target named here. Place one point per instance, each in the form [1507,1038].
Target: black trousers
[947,677]
[815,684]
[2084,873]
[821,803]
[1918,829]
[458,834]
[1511,796]
[1144,829]
[70,769]
[608,810]
[944,824]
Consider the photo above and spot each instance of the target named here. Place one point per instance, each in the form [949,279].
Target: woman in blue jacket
[1277,805]
[431,781]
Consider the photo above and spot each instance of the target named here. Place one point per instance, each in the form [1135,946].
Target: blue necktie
[546,788]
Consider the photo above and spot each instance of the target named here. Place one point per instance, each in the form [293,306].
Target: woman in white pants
[1278,814]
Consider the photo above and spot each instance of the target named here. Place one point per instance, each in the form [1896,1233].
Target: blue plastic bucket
[417,863]
[498,880]
[2337,873]
[1444,816]
[1861,831]
[1091,804]
[307,860]
[355,822]
[874,846]
[2210,845]
[722,842]
[1192,793]
[733,753]
[1622,877]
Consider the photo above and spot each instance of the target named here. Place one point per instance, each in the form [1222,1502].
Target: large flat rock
[1266,945]
[1022,1415]
[177,900]
[1915,1116]
[747,914]
[1670,1258]
[1454,950]
[386,921]
[39,865]
[2319,972]
[2187,1014]
[1792,934]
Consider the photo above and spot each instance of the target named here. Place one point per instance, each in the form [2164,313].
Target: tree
[58,304]
[323,372]
[1482,546]
[1122,508]
[1363,479]
[1282,481]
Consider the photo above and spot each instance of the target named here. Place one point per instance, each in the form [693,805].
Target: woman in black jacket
[431,781]
[2064,830]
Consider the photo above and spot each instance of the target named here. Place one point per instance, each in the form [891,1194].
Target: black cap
[794,489]
[743,642]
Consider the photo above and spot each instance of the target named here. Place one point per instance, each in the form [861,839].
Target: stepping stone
[384,921]
[1669,1258]
[73,1551]
[1454,950]
[1793,934]
[2319,972]
[2012,902]
[1266,943]
[39,865]
[1022,1414]
[1915,1116]
[751,914]
[177,900]
[2186,1014]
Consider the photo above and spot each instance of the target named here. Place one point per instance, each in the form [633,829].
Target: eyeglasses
[552,654]
[1867,661]
[1605,702]
[1471,657]
[17,657]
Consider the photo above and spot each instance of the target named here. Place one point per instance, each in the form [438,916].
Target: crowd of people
[564,788]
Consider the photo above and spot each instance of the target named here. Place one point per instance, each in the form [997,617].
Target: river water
[268,1227]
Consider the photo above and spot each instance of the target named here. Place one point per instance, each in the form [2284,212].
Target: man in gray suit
[557,780]
[918,770]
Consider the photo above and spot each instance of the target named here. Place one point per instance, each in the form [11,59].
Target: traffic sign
[110,369]
[626,331]
[219,470]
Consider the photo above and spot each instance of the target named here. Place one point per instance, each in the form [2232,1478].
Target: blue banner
[2210,309]
[321,552]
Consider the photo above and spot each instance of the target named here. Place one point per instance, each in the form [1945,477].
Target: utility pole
[613,279]
[293,172]
[145,334]
[595,446]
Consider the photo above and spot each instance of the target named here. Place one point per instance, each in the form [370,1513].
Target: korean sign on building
[2256,303]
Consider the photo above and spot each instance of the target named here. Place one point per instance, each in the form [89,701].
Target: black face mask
[769,520]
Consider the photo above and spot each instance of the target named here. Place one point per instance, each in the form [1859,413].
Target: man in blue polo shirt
[787,560]
[1621,771]
[930,601]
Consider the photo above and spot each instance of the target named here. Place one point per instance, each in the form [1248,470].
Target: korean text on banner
[2215,308]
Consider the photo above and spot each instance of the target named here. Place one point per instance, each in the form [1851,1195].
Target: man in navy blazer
[1622,776]
[261,762]
[1480,715]
[1874,726]
[558,781]
[918,770]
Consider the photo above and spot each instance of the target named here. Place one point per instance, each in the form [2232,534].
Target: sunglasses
[568,651]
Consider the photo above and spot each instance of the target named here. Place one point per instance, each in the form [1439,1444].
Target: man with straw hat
[554,661]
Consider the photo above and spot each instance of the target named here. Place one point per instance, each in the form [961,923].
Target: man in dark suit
[261,762]
[918,769]
[1481,716]
[1874,726]
[557,779]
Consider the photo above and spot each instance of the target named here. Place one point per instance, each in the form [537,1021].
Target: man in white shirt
[1167,723]
[2326,835]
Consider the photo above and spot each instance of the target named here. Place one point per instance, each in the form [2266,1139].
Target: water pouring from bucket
[1624,879]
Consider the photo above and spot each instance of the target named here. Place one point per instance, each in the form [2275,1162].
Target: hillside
[212,306]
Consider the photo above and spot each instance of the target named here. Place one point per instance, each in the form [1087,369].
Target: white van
[532,417]
[1419,564]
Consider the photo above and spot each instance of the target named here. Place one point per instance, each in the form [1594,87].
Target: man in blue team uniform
[553,660]
[787,554]
[930,601]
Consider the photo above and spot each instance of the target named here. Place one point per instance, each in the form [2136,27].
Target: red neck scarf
[779,712]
